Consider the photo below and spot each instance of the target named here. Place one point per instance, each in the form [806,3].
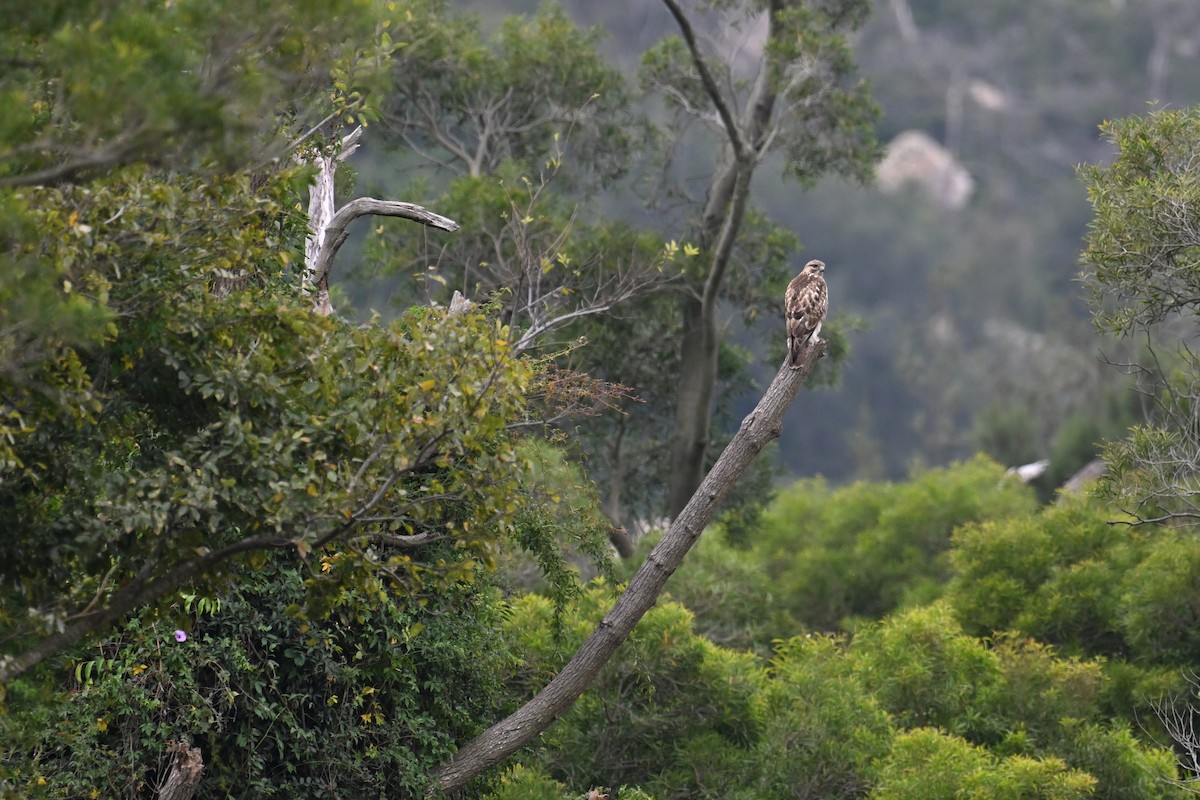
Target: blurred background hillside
[955,272]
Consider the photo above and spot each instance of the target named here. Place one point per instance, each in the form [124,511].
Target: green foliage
[1140,258]
[927,764]
[836,557]
[1141,265]
[225,425]
[1039,691]
[828,124]
[168,400]
[364,702]
[927,673]
[1159,612]
[824,731]
[683,718]
[90,85]
[1122,764]
[666,688]
[557,524]
[911,707]
[476,101]
[524,783]
[1034,712]
[1054,575]
[722,587]
[862,550]
[1068,576]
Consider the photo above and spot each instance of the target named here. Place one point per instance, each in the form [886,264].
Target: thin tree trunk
[721,223]
[507,736]
[618,534]
[699,348]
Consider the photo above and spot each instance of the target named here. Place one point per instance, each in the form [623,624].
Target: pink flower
[180,636]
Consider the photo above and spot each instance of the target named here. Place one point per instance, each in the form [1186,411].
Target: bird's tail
[795,348]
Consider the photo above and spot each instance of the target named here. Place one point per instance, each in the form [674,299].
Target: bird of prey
[805,304]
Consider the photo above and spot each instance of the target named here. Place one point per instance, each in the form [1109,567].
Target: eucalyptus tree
[782,85]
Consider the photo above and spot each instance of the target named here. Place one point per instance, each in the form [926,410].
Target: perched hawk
[805,304]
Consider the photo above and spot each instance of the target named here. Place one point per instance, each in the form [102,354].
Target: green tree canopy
[1142,262]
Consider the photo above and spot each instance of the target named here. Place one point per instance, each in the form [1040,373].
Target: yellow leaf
[425,386]
[71,220]
[101,724]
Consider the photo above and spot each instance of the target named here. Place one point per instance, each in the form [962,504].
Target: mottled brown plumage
[805,304]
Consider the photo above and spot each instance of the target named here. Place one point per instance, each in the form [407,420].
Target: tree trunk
[698,351]
[507,736]
[183,779]
[321,207]
[720,226]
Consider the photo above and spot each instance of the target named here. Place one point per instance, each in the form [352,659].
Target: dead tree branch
[329,228]
[507,736]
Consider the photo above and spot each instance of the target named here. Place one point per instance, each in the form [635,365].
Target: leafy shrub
[926,673]
[682,717]
[867,549]
[665,686]
[363,703]
[823,731]
[1054,575]
[1039,690]
[926,764]
[1123,766]
[522,783]
[723,587]
[1068,576]
[1160,604]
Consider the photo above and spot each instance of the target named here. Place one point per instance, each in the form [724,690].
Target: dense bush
[1054,575]
[1070,577]
[926,764]
[1015,697]
[1159,607]
[910,707]
[724,588]
[823,732]
[829,558]
[524,783]
[863,550]
[363,703]
[926,673]
[666,686]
